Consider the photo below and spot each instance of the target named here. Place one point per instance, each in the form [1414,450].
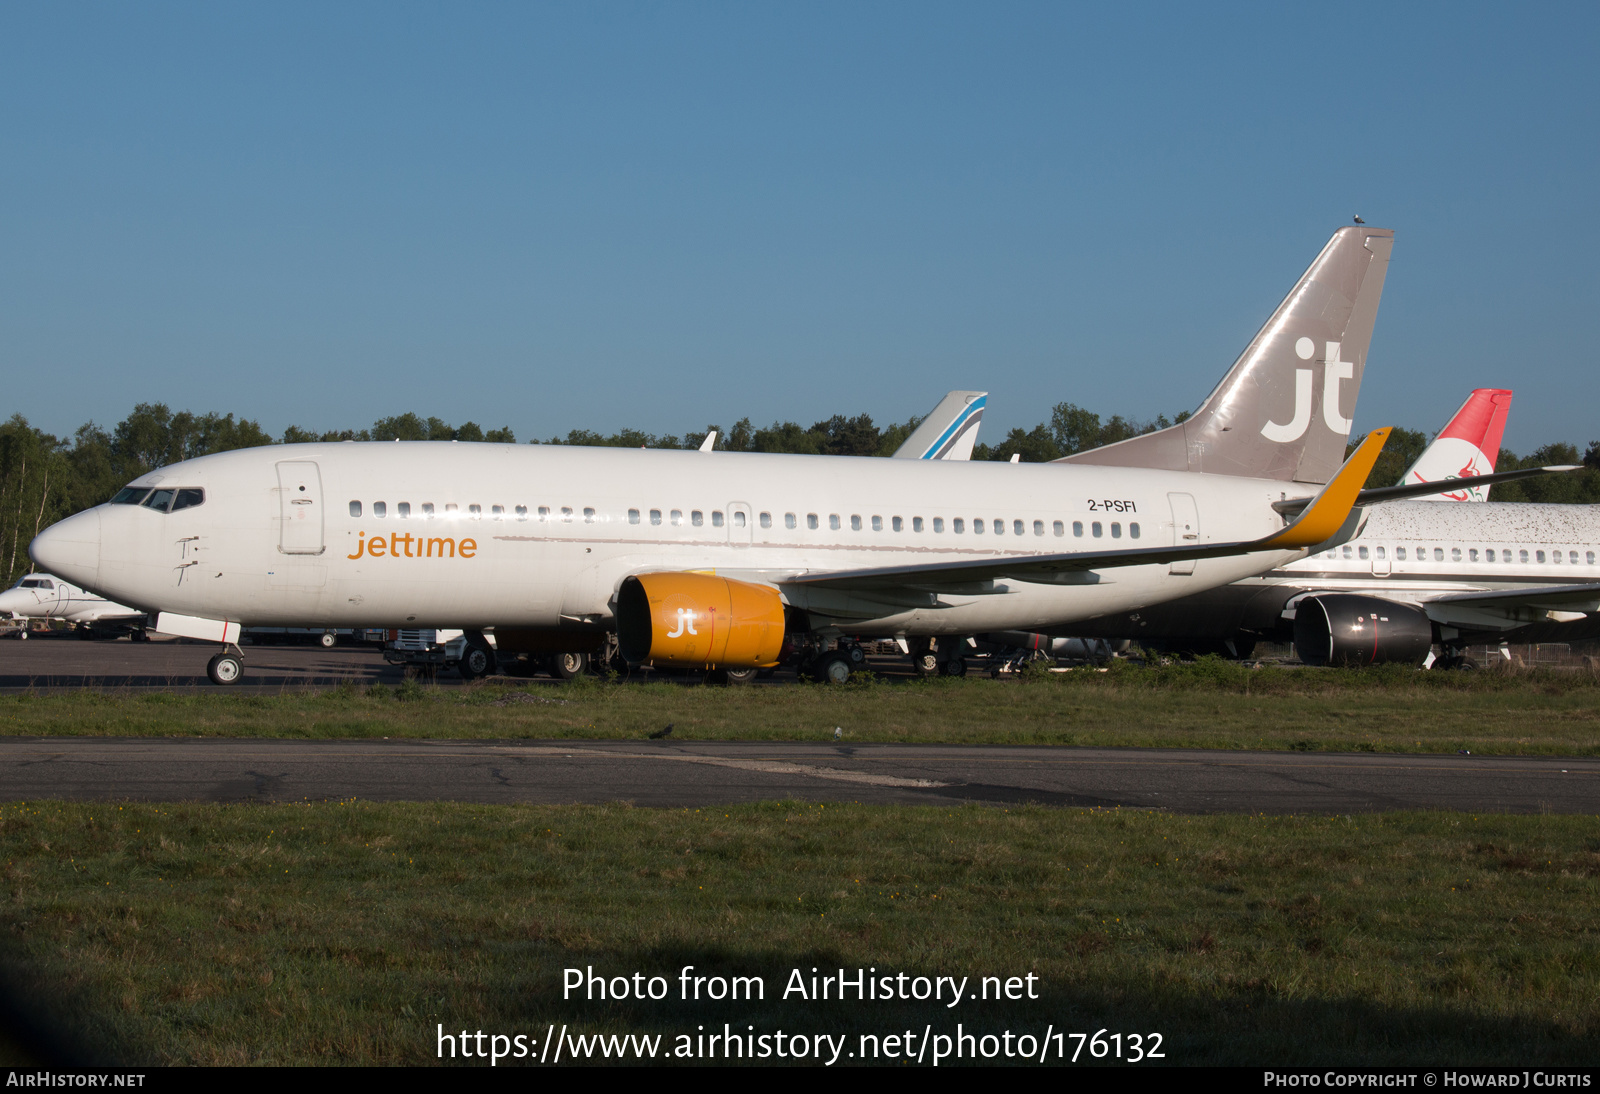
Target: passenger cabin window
[475,512]
[959,526]
[1133,530]
[427,510]
[1038,527]
[1488,555]
[451,511]
[1380,553]
[1472,554]
[655,516]
[1016,527]
[977,527]
[1539,555]
[696,518]
[588,515]
[855,522]
[1400,553]
[916,524]
[1522,555]
[999,527]
[766,520]
[544,513]
[738,518]
[566,514]
[1361,552]
[833,522]
[1095,530]
[1058,528]
[1116,530]
[877,523]
[716,518]
[1438,554]
[1455,554]
[938,524]
[402,509]
[789,520]
[499,512]
[811,521]
[677,517]
[897,524]
[379,509]
[633,516]
[1347,551]
[1589,557]
[1077,528]
[355,509]
[522,511]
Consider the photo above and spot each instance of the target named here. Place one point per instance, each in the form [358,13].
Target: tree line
[44,478]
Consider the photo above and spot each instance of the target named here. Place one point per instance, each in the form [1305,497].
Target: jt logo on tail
[1334,373]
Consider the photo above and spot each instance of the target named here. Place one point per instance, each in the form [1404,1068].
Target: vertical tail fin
[1466,447]
[949,431]
[1286,407]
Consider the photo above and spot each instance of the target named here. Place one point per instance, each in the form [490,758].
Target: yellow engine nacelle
[699,621]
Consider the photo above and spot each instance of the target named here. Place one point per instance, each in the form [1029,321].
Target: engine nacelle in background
[1338,629]
[699,621]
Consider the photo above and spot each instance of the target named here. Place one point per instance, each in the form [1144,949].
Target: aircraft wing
[1318,522]
[1496,607]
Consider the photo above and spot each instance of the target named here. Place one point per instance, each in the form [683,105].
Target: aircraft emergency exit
[710,559]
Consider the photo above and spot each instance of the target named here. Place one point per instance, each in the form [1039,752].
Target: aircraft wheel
[833,668]
[22,635]
[477,661]
[926,664]
[328,640]
[570,666]
[1468,664]
[734,677]
[225,668]
[956,666]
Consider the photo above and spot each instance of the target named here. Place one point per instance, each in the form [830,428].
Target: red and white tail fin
[1466,447]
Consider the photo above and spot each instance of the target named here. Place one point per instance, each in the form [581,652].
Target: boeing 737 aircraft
[710,559]
[44,596]
[1417,575]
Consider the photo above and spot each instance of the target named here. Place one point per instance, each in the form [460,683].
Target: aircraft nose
[70,548]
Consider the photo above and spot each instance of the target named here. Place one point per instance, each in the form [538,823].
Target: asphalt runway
[664,774]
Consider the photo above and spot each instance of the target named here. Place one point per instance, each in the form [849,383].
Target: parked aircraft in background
[1417,575]
[949,431]
[711,559]
[45,596]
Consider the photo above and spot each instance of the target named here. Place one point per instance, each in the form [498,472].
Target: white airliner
[710,559]
[1417,575]
[44,596]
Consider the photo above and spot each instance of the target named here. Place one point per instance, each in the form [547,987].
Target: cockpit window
[188,498]
[160,500]
[130,495]
[36,583]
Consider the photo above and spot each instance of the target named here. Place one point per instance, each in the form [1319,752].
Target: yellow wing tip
[1329,509]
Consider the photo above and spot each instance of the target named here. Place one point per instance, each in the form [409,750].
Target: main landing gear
[226,667]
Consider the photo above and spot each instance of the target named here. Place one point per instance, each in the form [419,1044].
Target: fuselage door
[740,528]
[1185,529]
[300,507]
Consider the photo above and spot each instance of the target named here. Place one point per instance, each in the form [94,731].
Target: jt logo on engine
[1334,371]
[685,623]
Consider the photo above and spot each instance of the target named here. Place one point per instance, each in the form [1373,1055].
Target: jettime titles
[401,546]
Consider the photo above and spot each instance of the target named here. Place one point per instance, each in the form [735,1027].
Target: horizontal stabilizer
[1411,490]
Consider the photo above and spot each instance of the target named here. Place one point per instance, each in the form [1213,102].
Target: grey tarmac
[694,775]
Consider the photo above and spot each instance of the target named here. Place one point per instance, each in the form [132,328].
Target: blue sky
[663,215]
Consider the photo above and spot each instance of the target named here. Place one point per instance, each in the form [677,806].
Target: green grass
[346,932]
[1208,704]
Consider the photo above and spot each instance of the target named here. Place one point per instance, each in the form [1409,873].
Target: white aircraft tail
[949,431]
